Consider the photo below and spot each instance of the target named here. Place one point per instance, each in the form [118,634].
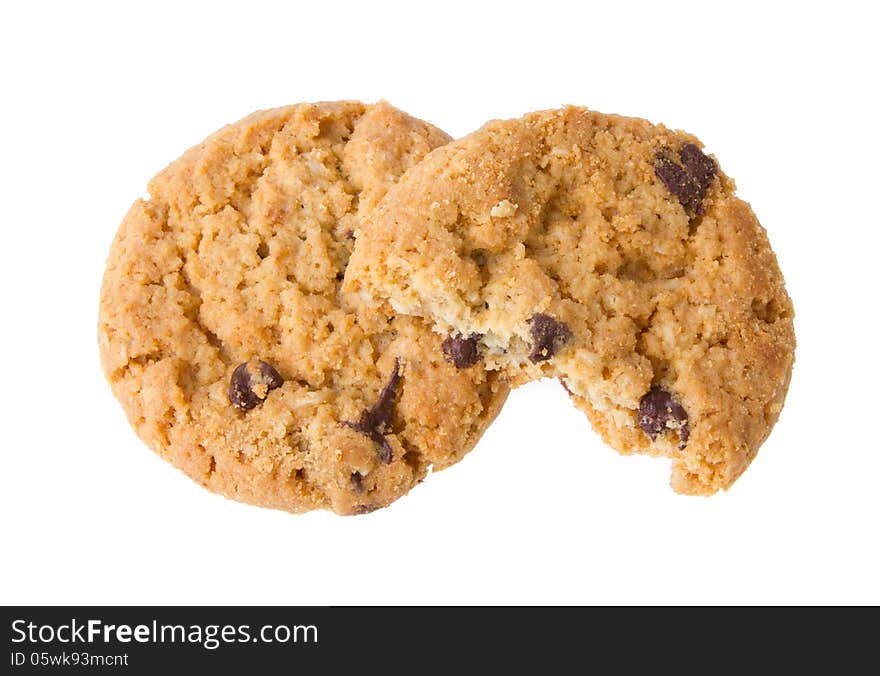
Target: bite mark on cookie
[660,411]
[375,422]
[548,336]
[460,351]
[251,383]
[689,180]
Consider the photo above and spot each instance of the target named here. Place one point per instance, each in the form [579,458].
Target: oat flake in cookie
[224,337]
[608,252]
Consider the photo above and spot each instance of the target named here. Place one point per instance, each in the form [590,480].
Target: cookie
[224,336]
[608,252]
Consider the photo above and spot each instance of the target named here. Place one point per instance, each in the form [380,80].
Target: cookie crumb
[504,209]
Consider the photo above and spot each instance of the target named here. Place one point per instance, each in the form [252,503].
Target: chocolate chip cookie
[225,338]
[609,252]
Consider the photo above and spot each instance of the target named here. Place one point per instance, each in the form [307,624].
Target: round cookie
[223,334]
[610,253]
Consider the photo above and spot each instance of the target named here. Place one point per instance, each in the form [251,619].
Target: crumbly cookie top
[224,336]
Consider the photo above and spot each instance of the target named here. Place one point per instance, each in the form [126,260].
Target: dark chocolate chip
[375,422]
[673,176]
[461,351]
[548,335]
[700,166]
[251,383]
[688,181]
[357,484]
[659,411]
[384,408]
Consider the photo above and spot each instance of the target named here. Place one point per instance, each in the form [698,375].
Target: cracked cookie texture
[224,335]
[605,251]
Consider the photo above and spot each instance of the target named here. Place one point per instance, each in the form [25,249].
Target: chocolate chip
[699,165]
[673,176]
[461,351]
[251,383]
[688,181]
[375,422]
[357,484]
[659,411]
[548,335]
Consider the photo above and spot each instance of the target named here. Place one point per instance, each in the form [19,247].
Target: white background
[98,98]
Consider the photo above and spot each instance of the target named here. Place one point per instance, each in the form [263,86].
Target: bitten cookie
[608,252]
[223,334]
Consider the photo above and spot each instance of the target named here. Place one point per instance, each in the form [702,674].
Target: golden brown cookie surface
[606,251]
[223,334]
